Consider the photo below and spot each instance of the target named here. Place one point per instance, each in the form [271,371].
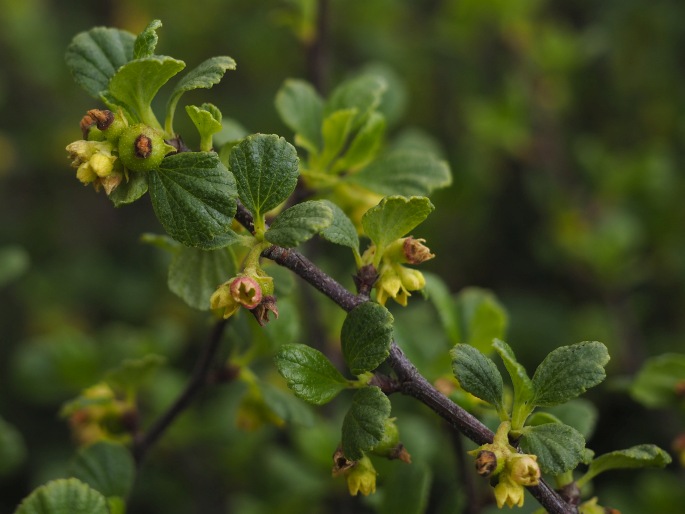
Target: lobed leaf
[309,374]
[405,172]
[207,121]
[568,372]
[366,336]
[299,223]
[559,447]
[194,274]
[301,109]
[364,423]
[640,456]
[64,496]
[394,217]
[204,76]
[146,42]
[266,169]
[136,83]
[107,467]
[341,231]
[478,375]
[93,57]
[194,197]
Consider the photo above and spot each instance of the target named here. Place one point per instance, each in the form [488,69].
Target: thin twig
[144,441]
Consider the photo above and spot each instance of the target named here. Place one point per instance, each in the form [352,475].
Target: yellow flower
[508,492]
[361,477]
[524,469]
[93,161]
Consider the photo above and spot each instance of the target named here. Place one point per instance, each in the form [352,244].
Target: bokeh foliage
[563,124]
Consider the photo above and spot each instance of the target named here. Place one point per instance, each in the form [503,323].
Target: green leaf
[559,447]
[129,190]
[14,261]
[194,197]
[640,456]
[404,172]
[656,384]
[478,375]
[406,490]
[341,231]
[194,274]
[364,146]
[366,336]
[578,413]
[309,373]
[394,217]
[132,373]
[266,169]
[146,42]
[336,127]
[12,449]
[286,406]
[364,423]
[568,372]
[439,295]
[136,83]
[106,467]
[299,223]
[523,386]
[93,57]
[64,496]
[207,121]
[204,76]
[301,109]
[361,93]
[483,318]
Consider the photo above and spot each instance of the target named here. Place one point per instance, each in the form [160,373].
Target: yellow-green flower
[95,163]
[361,477]
[508,492]
[241,290]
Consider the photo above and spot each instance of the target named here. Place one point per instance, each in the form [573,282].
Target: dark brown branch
[410,381]
[144,441]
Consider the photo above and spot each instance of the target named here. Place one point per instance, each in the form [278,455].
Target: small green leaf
[394,217]
[483,318]
[366,336]
[364,423]
[341,231]
[523,386]
[478,375]
[336,127]
[559,447]
[364,146]
[656,384]
[301,109]
[266,170]
[309,373]
[206,75]
[207,121]
[136,83]
[640,456]
[404,172]
[106,467]
[93,57]
[132,373]
[64,496]
[146,42]
[362,93]
[299,223]
[578,413]
[129,190]
[286,406]
[194,274]
[194,197]
[568,372]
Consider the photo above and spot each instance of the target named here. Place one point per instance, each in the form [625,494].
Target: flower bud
[142,148]
[524,469]
[412,280]
[415,251]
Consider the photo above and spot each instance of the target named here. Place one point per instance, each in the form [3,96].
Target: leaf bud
[142,148]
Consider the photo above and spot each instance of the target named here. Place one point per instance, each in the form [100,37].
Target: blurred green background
[563,123]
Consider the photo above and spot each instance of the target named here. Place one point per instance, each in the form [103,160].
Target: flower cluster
[395,280]
[511,470]
[95,164]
